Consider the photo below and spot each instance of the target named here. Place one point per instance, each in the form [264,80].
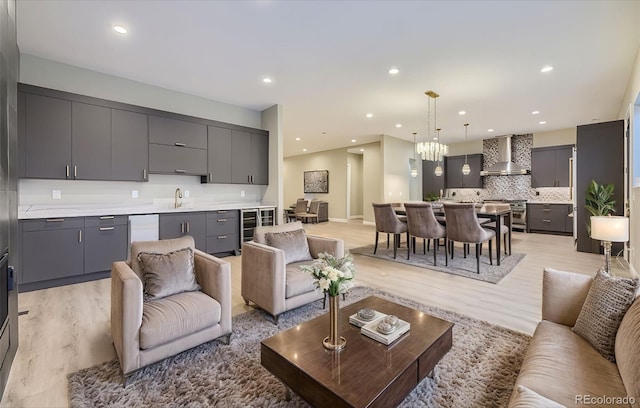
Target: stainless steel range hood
[504,166]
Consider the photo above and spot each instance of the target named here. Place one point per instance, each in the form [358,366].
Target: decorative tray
[371,330]
[355,320]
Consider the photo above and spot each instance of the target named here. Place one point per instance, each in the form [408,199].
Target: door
[219,155]
[90,142]
[543,168]
[240,157]
[259,159]
[47,137]
[60,253]
[129,146]
[104,245]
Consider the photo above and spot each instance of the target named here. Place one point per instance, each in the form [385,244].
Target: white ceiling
[329,59]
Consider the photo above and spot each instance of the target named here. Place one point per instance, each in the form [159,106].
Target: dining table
[495,215]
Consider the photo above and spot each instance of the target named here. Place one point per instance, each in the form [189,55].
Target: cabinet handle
[79,235]
[252,179]
[222,237]
[187,228]
[67,170]
[180,144]
[180,171]
[75,171]
[107,228]
[546,210]
[248,178]
[222,220]
[209,177]
[107,217]
[55,220]
[144,174]
[182,228]
[221,211]
[547,221]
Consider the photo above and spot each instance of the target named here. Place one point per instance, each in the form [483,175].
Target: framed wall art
[316,181]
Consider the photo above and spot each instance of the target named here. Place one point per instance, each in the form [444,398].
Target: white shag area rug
[479,370]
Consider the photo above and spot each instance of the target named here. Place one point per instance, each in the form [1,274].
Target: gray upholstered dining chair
[422,223]
[388,222]
[463,226]
[312,214]
[504,230]
[301,208]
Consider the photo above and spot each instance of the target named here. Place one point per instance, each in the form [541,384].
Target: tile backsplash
[510,187]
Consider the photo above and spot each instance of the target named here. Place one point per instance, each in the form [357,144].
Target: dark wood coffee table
[365,373]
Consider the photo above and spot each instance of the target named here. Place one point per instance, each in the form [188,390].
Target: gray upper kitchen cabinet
[453,171]
[176,225]
[177,146]
[240,157]
[259,159]
[431,184]
[47,137]
[90,142]
[106,241]
[249,158]
[129,145]
[52,249]
[550,166]
[219,160]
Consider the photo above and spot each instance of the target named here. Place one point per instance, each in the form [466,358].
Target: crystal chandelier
[466,169]
[433,150]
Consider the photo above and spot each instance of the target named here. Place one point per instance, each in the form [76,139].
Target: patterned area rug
[479,370]
[457,266]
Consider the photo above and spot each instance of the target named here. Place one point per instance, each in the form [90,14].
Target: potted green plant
[598,201]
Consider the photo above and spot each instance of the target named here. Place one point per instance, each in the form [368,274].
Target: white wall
[51,74]
[373,175]
[397,178]
[355,160]
[272,121]
[555,137]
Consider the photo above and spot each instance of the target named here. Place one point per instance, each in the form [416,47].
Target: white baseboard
[338,219]
[368,223]
[356,217]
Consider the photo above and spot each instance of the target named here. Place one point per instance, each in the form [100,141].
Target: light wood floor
[67,328]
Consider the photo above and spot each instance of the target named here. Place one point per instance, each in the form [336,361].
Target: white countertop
[548,202]
[57,211]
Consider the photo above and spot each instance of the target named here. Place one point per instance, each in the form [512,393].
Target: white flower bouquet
[332,275]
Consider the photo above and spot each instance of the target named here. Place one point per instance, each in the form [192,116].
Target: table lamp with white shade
[609,229]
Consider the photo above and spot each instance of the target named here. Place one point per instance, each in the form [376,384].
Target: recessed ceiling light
[304,150]
[542,122]
[489,130]
[462,113]
[369,115]
[298,139]
[435,138]
[353,140]
[546,68]
[394,71]
[267,80]
[535,112]
[362,150]
[398,125]
[119,29]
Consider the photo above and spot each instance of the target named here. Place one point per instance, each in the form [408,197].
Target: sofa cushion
[608,300]
[297,281]
[526,398]
[628,351]
[293,243]
[173,317]
[562,365]
[168,274]
[259,232]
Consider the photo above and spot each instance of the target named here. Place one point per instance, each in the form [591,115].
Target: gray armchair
[147,332]
[272,284]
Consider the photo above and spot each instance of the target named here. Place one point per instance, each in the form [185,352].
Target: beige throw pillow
[527,398]
[168,274]
[293,243]
[608,300]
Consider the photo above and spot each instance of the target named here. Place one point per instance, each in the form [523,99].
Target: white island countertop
[69,210]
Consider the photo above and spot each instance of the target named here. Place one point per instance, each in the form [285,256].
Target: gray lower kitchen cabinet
[249,158]
[549,218]
[550,166]
[223,231]
[106,240]
[177,160]
[51,249]
[176,132]
[129,146]
[47,137]
[219,159]
[176,225]
[90,142]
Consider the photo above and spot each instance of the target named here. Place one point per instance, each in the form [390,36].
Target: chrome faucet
[178,196]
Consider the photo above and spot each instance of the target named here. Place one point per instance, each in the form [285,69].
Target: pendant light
[466,169]
[432,150]
[438,169]
[414,166]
